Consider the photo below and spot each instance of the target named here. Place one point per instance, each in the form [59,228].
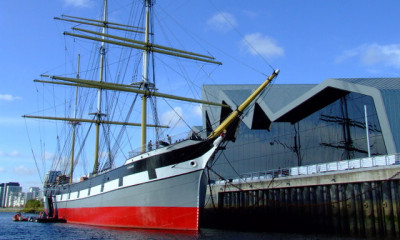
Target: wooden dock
[359,202]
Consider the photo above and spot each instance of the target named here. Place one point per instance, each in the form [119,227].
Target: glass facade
[335,132]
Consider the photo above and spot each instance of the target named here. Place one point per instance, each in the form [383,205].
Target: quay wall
[359,202]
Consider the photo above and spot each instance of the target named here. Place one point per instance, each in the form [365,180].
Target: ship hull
[172,203]
[154,192]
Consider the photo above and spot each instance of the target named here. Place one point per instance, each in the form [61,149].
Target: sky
[308,40]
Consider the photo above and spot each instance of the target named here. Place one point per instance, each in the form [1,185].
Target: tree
[33,205]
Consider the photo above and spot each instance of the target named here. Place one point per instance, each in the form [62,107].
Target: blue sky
[308,40]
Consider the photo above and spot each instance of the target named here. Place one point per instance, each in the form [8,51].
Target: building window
[335,132]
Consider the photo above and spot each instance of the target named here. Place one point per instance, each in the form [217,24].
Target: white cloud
[250,14]
[15,154]
[197,111]
[256,43]
[8,97]
[222,22]
[78,3]
[22,170]
[2,169]
[173,117]
[10,154]
[374,54]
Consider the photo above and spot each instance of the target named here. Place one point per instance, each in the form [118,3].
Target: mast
[225,124]
[146,88]
[74,123]
[99,94]
[121,88]
[145,76]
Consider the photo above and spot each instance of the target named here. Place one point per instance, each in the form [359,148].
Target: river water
[56,231]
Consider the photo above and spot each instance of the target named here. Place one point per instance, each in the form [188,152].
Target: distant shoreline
[11,209]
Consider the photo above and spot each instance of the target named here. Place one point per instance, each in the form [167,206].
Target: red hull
[182,218]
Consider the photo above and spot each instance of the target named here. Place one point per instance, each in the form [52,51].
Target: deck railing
[343,165]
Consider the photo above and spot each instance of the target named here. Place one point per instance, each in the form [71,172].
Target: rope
[180,117]
[33,153]
[241,35]
[209,185]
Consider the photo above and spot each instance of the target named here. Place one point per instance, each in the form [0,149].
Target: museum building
[303,124]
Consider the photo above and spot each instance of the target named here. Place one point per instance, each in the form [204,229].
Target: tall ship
[161,186]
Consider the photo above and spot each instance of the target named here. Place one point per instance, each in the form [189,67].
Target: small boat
[19,218]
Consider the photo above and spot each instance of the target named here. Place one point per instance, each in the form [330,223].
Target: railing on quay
[343,165]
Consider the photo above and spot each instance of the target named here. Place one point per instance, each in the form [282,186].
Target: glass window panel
[336,132]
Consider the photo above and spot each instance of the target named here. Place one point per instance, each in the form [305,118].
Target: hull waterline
[167,197]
